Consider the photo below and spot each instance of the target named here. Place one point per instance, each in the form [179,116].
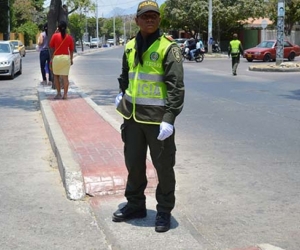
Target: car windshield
[15,43]
[265,44]
[4,48]
[94,39]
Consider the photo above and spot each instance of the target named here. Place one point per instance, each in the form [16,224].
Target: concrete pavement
[34,210]
[87,144]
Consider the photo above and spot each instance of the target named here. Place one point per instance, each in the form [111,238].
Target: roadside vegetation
[28,16]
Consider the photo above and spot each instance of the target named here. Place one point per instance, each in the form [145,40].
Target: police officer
[151,96]
[234,50]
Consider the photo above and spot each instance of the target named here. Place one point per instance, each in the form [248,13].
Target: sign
[280,9]
[264,23]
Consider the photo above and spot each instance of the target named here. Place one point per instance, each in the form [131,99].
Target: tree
[77,26]
[192,16]
[107,28]
[292,13]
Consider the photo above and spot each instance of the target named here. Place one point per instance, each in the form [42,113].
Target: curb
[282,67]
[268,69]
[69,169]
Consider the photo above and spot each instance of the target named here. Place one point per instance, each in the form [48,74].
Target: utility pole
[280,32]
[114,20]
[209,45]
[97,32]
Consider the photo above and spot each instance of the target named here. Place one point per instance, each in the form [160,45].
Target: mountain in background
[129,11]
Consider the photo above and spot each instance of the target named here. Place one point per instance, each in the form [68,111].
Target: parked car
[180,41]
[86,43]
[95,43]
[20,46]
[266,51]
[110,42]
[10,60]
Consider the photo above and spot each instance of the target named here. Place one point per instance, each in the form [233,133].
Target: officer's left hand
[165,130]
[118,99]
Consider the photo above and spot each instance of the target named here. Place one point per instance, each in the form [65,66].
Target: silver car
[10,60]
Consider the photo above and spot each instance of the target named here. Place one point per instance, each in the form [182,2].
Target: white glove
[165,130]
[118,99]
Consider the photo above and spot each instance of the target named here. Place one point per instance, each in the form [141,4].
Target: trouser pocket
[122,128]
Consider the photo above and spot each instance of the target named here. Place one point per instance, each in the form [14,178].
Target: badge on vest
[154,56]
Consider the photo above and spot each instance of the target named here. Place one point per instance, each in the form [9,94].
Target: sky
[106,7]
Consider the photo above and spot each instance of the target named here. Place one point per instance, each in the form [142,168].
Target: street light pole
[280,32]
[209,45]
[97,32]
[114,20]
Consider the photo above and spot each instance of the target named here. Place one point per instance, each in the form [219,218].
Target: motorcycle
[216,48]
[198,56]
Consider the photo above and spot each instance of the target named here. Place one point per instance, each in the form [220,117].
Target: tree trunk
[56,13]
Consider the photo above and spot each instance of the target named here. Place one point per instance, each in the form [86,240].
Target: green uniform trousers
[235,60]
[137,137]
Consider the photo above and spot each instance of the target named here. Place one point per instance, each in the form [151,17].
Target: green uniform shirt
[173,78]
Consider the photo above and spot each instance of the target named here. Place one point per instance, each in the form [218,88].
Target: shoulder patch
[170,38]
[176,53]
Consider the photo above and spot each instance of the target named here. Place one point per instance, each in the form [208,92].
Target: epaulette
[170,38]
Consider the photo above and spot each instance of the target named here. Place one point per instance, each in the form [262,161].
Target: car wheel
[24,54]
[249,60]
[267,58]
[12,73]
[291,56]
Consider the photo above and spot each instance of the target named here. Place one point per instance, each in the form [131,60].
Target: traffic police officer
[151,96]
[234,50]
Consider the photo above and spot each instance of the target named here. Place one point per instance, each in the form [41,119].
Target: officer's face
[148,22]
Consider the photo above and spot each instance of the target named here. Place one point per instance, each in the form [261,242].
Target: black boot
[128,213]
[162,222]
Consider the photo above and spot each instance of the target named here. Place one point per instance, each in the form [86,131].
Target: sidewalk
[94,163]
[86,140]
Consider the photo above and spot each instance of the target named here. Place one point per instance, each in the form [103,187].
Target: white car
[111,42]
[95,42]
[10,60]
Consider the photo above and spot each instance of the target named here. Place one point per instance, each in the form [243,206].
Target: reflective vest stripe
[148,77]
[146,101]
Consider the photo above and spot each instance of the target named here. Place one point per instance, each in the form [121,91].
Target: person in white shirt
[199,45]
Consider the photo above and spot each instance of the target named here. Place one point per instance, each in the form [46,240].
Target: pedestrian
[151,96]
[234,50]
[63,45]
[43,47]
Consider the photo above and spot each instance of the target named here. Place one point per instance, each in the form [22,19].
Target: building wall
[293,38]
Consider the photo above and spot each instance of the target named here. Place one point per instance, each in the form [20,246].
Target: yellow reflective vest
[146,93]
[235,47]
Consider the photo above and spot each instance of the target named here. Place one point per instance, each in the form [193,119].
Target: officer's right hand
[118,99]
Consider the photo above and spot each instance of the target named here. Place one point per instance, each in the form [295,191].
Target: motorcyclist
[192,46]
[199,45]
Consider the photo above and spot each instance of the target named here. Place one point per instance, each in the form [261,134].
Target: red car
[266,51]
